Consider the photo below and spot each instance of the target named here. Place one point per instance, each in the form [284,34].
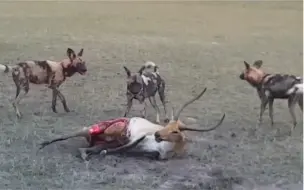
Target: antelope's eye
[174,132]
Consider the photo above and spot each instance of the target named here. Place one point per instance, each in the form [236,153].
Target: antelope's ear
[258,63]
[127,71]
[71,54]
[80,52]
[181,124]
[247,66]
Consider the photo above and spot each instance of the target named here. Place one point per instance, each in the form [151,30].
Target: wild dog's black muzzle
[242,76]
[81,68]
[136,90]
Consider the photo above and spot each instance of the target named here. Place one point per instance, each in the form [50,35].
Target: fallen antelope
[145,137]
[142,85]
[45,72]
[274,86]
[157,141]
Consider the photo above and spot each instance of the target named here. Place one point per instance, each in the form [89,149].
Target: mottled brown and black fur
[274,86]
[51,73]
[142,85]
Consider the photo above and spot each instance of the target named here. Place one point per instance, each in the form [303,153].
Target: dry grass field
[196,45]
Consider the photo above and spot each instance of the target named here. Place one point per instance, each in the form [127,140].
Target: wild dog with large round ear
[142,85]
[274,86]
[45,72]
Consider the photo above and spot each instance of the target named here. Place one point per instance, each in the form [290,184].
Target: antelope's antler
[187,103]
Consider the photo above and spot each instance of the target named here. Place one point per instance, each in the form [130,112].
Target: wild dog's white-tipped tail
[150,64]
[296,89]
[5,68]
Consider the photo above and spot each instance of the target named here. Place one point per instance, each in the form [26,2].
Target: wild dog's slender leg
[162,97]
[16,102]
[264,102]
[54,100]
[259,93]
[144,111]
[62,98]
[300,102]
[291,105]
[129,105]
[271,110]
[21,83]
[56,93]
[17,90]
[154,105]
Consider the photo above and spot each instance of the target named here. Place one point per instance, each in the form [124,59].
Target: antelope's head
[173,131]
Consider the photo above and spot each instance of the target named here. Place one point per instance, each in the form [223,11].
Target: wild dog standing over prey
[45,72]
[142,85]
[274,86]
[136,135]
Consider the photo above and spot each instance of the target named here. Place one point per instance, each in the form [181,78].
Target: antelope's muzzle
[157,137]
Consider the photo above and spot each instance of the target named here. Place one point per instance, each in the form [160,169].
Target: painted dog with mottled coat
[144,84]
[274,86]
[51,73]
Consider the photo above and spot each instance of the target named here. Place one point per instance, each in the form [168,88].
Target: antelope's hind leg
[86,153]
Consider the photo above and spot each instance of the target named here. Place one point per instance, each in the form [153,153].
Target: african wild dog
[45,72]
[274,86]
[142,85]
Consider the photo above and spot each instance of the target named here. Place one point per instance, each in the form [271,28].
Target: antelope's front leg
[86,153]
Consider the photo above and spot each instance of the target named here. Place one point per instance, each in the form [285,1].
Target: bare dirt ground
[196,45]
